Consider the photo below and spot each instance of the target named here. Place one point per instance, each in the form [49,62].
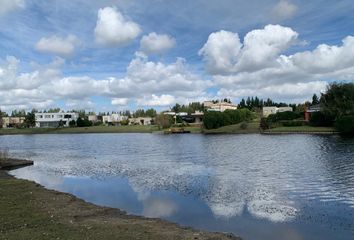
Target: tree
[315,99]
[1,121]
[30,119]
[338,101]
[163,121]
[150,113]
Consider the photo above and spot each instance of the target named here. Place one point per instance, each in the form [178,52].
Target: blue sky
[119,54]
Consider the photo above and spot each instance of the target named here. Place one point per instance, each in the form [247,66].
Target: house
[113,119]
[93,118]
[196,117]
[10,122]
[55,119]
[273,110]
[141,121]
[310,110]
[219,106]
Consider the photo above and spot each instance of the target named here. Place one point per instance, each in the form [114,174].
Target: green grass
[93,129]
[252,127]
[302,129]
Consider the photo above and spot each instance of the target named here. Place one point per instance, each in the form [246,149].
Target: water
[258,187]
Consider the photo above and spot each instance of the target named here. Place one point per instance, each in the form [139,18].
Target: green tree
[30,119]
[150,113]
[315,99]
[338,100]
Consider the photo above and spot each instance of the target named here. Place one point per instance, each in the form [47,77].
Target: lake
[256,186]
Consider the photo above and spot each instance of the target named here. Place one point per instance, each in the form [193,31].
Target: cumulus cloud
[225,54]
[154,100]
[284,9]
[7,6]
[146,82]
[120,101]
[156,43]
[221,50]
[113,29]
[259,67]
[64,47]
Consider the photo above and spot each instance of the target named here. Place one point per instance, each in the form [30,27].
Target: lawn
[251,127]
[93,129]
[301,129]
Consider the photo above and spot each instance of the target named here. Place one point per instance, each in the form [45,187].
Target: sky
[112,55]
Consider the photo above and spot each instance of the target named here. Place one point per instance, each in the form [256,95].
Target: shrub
[281,116]
[319,119]
[72,123]
[244,125]
[292,123]
[4,154]
[213,119]
[345,125]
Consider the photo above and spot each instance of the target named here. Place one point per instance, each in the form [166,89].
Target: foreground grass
[252,127]
[93,129]
[301,129]
[28,211]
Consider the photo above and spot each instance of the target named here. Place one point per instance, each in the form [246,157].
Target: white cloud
[58,46]
[325,58]
[156,43]
[146,82]
[113,29]
[259,68]
[7,6]
[221,50]
[154,100]
[120,101]
[225,54]
[284,9]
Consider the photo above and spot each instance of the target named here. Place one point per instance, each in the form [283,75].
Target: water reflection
[300,187]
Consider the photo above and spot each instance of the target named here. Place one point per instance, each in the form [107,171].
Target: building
[273,110]
[10,122]
[113,119]
[93,118]
[219,107]
[55,119]
[146,121]
[310,110]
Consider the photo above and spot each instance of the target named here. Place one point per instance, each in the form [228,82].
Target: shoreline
[232,129]
[29,210]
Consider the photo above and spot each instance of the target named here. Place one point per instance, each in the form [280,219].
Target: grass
[301,129]
[252,127]
[29,211]
[93,129]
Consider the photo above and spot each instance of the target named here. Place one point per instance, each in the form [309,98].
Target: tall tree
[338,100]
[315,99]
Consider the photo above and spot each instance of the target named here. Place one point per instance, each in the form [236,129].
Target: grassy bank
[29,211]
[301,129]
[250,127]
[93,129]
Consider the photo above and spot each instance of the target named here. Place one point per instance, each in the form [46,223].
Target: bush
[282,116]
[264,124]
[319,119]
[213,119]
[72,123]
[345,125]
[244,125]
[83,122]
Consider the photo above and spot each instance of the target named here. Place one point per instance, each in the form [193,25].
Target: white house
[273,110]
[114,119]
[219,107]
[55,119]
[140,121]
